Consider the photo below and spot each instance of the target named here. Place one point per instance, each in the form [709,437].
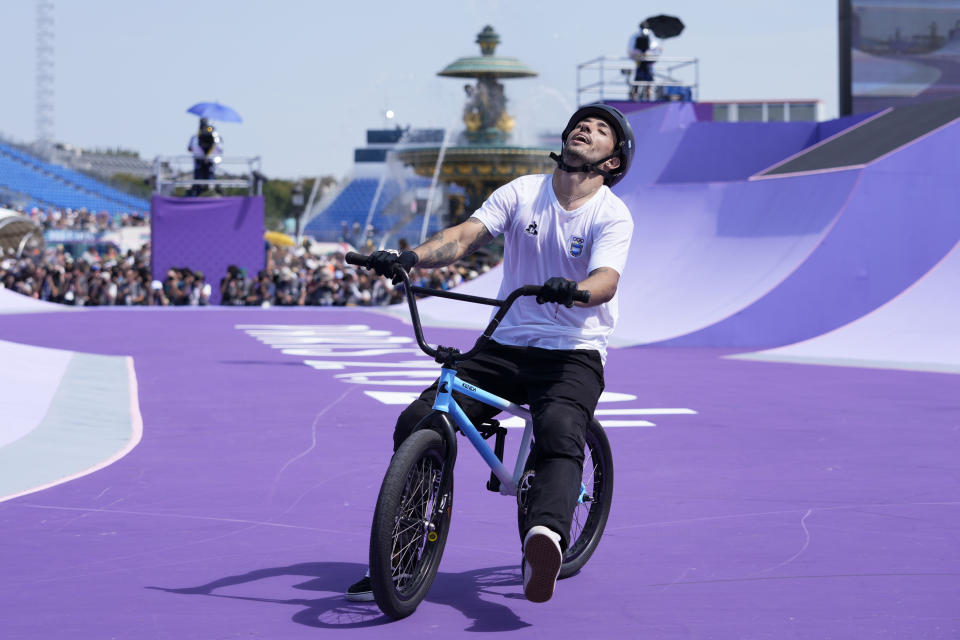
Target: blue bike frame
[449,382]
[445,403]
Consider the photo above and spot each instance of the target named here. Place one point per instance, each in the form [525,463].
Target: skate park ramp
[674,203]
[753,498]
[917,330]
[741,487]
[882,134]
[66,414]
[759,235]
[12,302]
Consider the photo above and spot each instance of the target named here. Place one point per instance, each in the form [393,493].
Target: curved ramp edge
[13,302]
[915,331]
[92,419]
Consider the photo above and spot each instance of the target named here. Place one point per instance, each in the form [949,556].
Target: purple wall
[900,220]
[727,151]
[207,234]
[658,131]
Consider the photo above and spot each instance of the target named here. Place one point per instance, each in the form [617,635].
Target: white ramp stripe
[327,365]
[612,396]
[393,397]
[362,341]
[359,341]
[644,412]
[514,422]
[337,352]
[332,328]
[317,332]
[414,378]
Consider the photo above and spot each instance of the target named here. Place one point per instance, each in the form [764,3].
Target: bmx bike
[412,517]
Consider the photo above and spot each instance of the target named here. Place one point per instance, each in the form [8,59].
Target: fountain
[482,157]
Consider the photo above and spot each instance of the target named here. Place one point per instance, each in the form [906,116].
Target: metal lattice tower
[44,73]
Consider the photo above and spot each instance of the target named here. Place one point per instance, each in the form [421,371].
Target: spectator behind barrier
[107,277]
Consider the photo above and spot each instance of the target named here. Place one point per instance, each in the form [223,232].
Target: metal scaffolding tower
[44,78]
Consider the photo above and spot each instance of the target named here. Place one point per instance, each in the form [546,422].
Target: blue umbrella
[215,111]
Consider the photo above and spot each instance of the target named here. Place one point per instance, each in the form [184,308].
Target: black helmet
[623,148]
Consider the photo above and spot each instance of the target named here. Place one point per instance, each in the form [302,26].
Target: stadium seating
[352,206]
[46,184]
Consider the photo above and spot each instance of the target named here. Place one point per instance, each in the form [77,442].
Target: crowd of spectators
[93,279]
[293,276]
[298,277]
[83,220]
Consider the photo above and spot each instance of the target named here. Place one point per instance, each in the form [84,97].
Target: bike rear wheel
[410,524]
[593,508]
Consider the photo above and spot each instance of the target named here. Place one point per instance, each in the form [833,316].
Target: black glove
[382,262]
[559,290]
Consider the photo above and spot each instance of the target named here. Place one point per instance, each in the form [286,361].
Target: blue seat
[61,187]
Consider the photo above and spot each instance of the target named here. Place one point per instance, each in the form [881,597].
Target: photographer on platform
[644,49]
[207,150]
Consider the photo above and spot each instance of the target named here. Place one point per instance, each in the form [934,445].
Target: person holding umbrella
[207,150]
[206,146]
[644,48]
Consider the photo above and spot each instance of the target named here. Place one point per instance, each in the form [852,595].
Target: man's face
[589,141]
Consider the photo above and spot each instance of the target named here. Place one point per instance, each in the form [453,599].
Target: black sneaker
[360,591]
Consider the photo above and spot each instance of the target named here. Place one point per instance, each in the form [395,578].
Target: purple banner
[208,235]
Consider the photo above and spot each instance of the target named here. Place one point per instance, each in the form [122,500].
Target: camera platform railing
[173,172]
[609,78]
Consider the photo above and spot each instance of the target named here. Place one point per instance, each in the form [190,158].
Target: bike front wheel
[410,524]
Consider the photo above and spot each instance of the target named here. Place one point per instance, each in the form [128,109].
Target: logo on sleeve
[532,228]
[576,246]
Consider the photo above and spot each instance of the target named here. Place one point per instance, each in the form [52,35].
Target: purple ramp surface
[657,132]
[726,151]
[783,501]
[918,330]
[899,222]
[701,253]
[208,235]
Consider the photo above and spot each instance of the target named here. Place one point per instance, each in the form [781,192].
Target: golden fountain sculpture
[482,159]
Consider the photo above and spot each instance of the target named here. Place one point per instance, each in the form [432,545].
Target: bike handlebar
[360,260]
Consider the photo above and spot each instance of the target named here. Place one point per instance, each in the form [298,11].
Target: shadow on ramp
[461,591]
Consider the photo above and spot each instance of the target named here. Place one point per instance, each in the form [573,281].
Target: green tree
[278,199]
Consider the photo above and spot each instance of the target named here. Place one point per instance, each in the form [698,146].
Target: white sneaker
[542,559]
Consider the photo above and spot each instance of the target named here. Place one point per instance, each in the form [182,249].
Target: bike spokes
[415,522]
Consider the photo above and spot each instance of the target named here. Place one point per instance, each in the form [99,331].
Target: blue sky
[310,77]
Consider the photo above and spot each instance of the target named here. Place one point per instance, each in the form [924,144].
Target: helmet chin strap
[589,167]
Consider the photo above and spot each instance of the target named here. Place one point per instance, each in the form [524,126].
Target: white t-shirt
[542,240]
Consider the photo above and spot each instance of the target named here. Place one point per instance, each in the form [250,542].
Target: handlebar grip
[357,259]
[582,295]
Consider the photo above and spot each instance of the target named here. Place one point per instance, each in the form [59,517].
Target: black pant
[202,170]
[562,388]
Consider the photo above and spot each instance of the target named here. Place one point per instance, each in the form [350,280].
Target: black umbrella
[664,26]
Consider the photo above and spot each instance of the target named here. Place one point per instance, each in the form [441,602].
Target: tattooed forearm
[483,239]
[451,244]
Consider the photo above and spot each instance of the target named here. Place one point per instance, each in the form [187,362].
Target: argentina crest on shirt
[576,246]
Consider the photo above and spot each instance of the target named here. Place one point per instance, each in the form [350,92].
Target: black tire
[413,506]
[590,516]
